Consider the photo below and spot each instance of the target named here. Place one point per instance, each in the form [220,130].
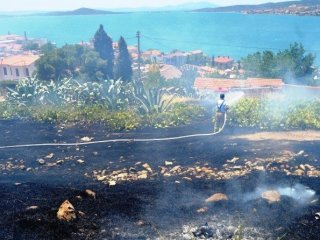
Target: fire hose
[118,140]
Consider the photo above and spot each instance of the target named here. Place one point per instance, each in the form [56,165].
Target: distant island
[80,11]
[301,8]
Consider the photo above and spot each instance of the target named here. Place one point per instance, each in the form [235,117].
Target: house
[17,66]
[177,58]
[152,56]
[222,62]
[249,86]
[169,72]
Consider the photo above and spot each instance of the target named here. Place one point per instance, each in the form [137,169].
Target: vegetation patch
[275,114]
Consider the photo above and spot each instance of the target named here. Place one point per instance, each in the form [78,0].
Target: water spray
[119,140]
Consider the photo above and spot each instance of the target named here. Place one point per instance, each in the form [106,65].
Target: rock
[28,169]
[49,156]
[66,212]
[271,196]
[81,213]
[299,153]
[79,197]
[202,210]
[317,215]
[260,168]
[112,183]
[187,178]
[142,176]
[313,173]
[302,167]
[168,163]
[80,161]
[175,169]
[187,237]
[86,139]
[101,178]
[139,223]
[147,167]
[32,208]
[298,172]
[217,197]
[90,193]
[41,161]
[233,160]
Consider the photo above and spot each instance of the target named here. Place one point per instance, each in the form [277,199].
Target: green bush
[275,115]
[179,114]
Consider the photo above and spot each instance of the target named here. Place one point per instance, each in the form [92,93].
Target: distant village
[18,55]
[293,9]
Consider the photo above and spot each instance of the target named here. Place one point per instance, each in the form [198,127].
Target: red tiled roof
[217,84]
[19,60]
[223,59]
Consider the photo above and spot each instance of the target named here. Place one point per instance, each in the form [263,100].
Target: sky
[40,5]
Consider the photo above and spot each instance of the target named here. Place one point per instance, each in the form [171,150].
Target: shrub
[275,115]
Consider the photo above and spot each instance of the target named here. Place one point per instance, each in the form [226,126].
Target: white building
[17,66]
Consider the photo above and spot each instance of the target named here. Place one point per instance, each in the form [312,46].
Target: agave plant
[27,91]
[153,100]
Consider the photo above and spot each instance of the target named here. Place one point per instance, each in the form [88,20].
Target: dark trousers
[219,120]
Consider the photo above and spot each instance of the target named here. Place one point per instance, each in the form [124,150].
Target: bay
[228,34]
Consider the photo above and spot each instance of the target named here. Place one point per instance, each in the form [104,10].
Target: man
[221,110]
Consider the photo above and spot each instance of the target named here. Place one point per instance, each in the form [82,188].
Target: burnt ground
[154,208]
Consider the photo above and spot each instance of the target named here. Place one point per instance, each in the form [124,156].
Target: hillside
[80,11]
[305,7]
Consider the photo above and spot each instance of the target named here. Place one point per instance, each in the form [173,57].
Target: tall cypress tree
[123,68]
[103,45]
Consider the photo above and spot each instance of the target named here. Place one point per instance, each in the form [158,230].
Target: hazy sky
[30,5]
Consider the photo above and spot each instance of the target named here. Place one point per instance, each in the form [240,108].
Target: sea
[228,34]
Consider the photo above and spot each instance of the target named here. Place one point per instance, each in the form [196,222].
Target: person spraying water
[220,122]
[220,114]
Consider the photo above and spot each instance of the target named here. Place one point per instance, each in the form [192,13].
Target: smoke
[299,193]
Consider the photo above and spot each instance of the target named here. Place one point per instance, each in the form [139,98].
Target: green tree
[71,61]
[103,45]
[123,68]
[292,64]
[92,66]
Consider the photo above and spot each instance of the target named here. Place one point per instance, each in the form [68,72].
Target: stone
[32,208]
[217,197]
[175,169]
[86,139]
[142,176]
[314,173]
[41,161]
[168,163]
[187,178]
[80,161]
[299,172]
[101,178]
[233,160]
[112,183]
[81,213]
[202,210]
[66,212]
[49,156]
[147,167]
[90,193]
[271,196]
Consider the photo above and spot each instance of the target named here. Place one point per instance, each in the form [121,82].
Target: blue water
[215,33]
